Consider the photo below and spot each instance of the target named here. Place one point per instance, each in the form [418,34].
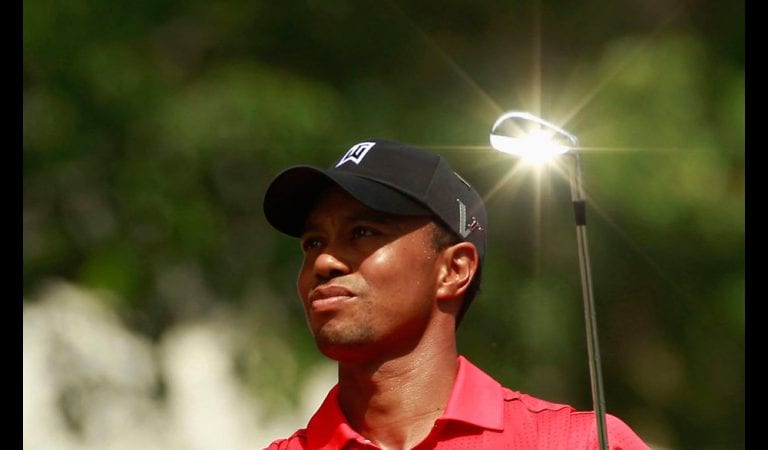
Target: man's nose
[330,263]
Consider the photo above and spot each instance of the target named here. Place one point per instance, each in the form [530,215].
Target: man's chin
[341,345]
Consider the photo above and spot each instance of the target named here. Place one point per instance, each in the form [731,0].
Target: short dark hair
[443,238]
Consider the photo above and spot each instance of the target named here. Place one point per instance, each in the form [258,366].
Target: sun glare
[535,148]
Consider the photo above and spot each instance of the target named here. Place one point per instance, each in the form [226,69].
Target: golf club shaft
[595,373]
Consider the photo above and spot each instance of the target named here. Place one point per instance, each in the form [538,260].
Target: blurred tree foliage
[151,129]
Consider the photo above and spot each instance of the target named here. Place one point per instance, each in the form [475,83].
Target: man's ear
[459,266]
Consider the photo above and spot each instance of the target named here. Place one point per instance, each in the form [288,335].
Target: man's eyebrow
[373,216]
[359,216]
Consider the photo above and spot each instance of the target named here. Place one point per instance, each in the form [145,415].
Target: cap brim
[292,194]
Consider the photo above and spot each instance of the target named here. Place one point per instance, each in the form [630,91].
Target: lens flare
[535,148]
[534,140]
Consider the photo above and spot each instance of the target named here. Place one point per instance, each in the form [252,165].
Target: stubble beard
[340,336]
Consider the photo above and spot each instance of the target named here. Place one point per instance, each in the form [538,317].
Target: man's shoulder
[534,404]
[560,422]
[296,441]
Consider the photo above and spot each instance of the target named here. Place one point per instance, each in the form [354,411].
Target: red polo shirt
[481,414]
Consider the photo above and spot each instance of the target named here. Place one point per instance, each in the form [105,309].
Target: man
[393,243]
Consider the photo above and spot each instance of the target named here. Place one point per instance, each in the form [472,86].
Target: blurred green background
[151,129]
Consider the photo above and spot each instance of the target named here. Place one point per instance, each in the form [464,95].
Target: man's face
[368,280]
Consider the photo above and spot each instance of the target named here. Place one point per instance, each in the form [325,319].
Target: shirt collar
[328,428]
[476,399]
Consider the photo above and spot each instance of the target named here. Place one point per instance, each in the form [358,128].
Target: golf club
[528,136]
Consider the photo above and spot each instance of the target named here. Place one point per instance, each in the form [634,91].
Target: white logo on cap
[464,228]
[356,153]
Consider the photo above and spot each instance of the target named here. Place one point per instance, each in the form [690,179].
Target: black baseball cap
[386,176]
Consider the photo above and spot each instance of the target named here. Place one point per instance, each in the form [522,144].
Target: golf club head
[524,134]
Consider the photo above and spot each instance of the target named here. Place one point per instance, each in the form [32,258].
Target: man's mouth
[326,298]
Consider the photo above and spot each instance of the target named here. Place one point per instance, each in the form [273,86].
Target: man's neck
[395,403]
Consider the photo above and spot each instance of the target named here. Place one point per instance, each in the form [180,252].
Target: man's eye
[362,232]
[310,243]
